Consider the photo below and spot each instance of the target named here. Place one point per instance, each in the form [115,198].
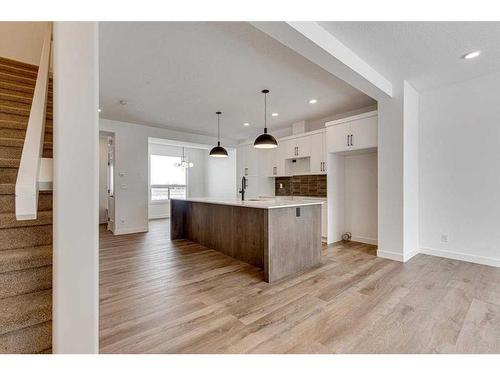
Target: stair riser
[12,133]
[14,111]
[18,71]
[9,220]
[32,339]
[48,153]
[18,64]
[9,163]
[25,281]
[26,257]
[8,203]
[10,152]
[9,77]
[27,310]
[15,104]
[13,238]
[8,175]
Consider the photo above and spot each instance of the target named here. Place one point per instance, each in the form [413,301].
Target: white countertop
[265,203]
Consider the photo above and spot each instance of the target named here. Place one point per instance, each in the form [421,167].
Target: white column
[76,190]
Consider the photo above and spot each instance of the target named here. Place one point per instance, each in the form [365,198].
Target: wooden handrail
[29,167]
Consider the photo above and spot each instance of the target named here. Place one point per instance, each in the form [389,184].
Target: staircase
[25,246]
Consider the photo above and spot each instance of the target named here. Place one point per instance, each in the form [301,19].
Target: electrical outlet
[444,237]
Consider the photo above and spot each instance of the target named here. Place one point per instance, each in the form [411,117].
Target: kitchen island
[283,237]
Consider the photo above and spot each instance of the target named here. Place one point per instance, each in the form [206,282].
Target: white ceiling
[178,74]
[427,54]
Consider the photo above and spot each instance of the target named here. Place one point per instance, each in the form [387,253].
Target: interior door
[111,184]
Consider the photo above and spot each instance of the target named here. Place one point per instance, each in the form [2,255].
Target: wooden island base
[283,241]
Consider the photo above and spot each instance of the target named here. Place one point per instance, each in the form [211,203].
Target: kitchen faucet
[243,187]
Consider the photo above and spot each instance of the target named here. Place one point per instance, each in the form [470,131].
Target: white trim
[488,261]
[390,255]
[288,137]
[400,257]
[352,118]
[119,232]
[369,241]
[29,166]
[411,254]
[159,216]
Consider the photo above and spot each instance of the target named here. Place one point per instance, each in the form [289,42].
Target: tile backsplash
[304,185]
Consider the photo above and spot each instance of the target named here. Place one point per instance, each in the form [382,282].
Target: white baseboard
[159,216]
[370,241]
[119,232]
[397,256]
[488,261]
[390,255]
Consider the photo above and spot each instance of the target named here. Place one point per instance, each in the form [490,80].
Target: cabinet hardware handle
[352,144]
[347,139]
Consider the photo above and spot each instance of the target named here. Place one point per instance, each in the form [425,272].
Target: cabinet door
[252,160]
[337,137]
[268,162]
[288,149]
[364,133]
[303,147]
[280,158]
[318,164]
[324,220]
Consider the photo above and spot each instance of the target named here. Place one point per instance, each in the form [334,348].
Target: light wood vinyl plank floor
[162,296]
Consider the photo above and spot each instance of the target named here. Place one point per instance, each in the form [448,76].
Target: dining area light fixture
[265,140]
[218,151]
[184,163]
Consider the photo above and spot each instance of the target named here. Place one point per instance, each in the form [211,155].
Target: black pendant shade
[265,140]
[218,151]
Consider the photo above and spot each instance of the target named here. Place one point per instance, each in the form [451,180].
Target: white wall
[195,175]
[390,176]
[75,311]
[131,161]
[410,171]
[221,176]
[22,41]
[460,170]
[361,197]
[103,179]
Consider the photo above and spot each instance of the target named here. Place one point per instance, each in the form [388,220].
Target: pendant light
[184,163]
[218,151]
[265,140]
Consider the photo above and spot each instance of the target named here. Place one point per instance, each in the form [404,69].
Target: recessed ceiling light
[246,124]
[275,114]
[471,55]
[99,110]
[313,101]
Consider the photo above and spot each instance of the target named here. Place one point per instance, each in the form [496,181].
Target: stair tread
[17,70]
[32,339]
[7,189]
[11,142]
[9,163]
[25,257]
[8,220]
[21,311]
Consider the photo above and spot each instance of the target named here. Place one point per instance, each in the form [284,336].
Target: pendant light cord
[265,112]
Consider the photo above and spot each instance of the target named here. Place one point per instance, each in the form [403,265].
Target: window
[166,179]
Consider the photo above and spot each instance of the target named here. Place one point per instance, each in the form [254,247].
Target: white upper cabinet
[318,153]
[247,161]
[352,133]
[293,148]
